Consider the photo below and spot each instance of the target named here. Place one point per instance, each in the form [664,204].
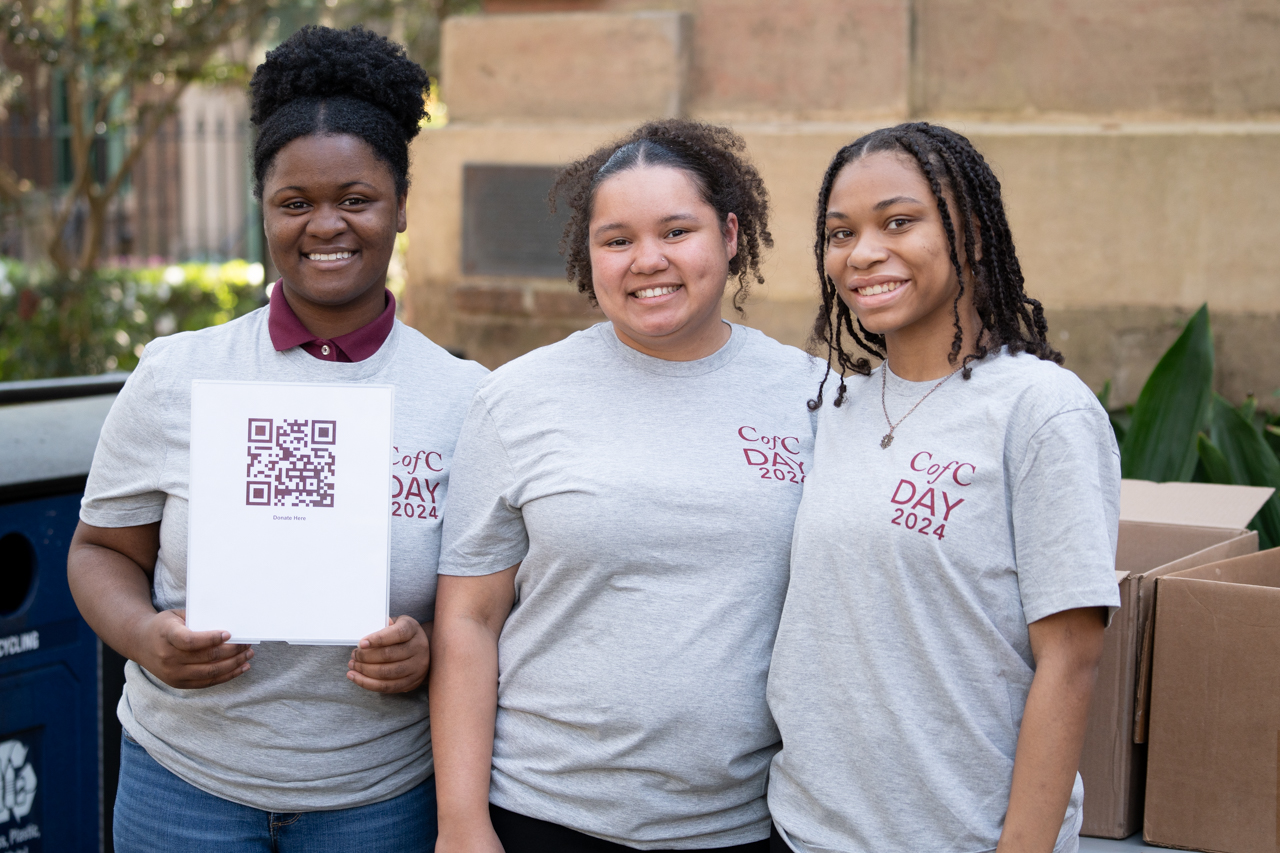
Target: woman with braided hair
[952,566]
[278,747]
[615,552]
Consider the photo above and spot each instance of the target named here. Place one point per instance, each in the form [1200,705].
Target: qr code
[291,463]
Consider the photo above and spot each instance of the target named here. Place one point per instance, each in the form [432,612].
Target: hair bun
[320,62]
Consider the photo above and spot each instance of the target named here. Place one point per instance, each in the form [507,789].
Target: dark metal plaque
[506,226]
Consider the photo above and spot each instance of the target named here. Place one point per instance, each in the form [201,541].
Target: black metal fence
[188,196]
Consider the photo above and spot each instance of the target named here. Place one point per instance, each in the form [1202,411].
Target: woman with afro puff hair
[615,551]
[281,747]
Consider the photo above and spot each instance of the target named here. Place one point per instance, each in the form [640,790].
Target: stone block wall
[1138,144]
[1171,59]
[810,60]
[567,67]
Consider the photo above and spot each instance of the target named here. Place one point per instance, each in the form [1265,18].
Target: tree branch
[79,147]
[166,107]
[10,184]
[150,128]
[98,70]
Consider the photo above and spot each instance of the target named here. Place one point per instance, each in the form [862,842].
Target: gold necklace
[884,374]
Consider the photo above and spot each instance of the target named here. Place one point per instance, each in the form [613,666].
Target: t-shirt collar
[287,331]
[652,364]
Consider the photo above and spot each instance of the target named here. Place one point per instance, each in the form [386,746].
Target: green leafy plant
[1179,430]
[1236,452]
[1160,443]
[123,66]
[53,326]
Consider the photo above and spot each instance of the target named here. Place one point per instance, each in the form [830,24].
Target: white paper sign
[288,534]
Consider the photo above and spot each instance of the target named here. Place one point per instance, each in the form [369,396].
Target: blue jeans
[157,811]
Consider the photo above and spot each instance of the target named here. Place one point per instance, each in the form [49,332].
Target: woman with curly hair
[953,558]
[616,548]
[282,747]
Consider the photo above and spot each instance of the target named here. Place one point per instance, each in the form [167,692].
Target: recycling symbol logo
[17,781]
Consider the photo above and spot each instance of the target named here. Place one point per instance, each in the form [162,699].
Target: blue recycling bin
[58,686]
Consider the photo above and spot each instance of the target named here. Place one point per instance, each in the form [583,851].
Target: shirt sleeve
[1066,515]
[484,532]
[124,489]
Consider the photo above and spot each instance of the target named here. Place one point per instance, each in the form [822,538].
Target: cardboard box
[1164,528]
[1215,708]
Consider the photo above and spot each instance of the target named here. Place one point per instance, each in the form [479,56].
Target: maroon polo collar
[287,332]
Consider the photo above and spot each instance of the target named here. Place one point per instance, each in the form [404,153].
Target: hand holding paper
[188,659]
[288,534]
[393,660]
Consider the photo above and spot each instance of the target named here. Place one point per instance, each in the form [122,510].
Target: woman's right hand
[109,570]
[187,659]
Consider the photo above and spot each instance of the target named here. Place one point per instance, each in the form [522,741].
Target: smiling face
[659,261]
[331,214]
[888,255]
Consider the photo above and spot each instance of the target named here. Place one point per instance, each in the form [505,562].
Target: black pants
[520,834]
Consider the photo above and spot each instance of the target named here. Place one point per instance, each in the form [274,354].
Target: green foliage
[1179,430]
[120,43]
[1216,468]
[119,68]
[122,67]
[1272,434]
[1160,443]
[52,325]
[1234,440]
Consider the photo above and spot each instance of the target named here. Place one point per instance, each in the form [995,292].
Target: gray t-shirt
[293,733]
[903,661]
[650,505]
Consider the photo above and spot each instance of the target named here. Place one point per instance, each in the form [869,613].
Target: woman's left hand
[393,660]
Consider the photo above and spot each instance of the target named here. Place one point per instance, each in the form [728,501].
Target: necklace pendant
[886,441]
